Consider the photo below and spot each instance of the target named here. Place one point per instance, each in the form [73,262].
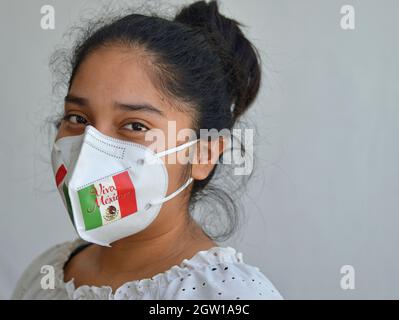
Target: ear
[206,157]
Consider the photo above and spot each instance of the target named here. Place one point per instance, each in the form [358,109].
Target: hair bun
[239,57]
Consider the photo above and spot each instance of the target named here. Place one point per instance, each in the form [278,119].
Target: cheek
[66,130]
[61,132]
[176,173]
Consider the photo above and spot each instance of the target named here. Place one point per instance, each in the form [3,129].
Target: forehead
[115,73]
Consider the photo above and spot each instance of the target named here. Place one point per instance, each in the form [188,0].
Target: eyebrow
[76,100]
[146,107]
[139,107]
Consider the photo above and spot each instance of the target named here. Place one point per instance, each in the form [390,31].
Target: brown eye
[75,119]
[136,126]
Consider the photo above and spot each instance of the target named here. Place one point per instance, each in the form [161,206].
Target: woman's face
[106,91]
[109,81]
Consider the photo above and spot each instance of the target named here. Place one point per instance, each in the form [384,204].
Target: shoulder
[225,277]
[50,262]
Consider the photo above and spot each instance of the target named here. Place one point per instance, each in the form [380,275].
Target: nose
[102,129]
[102,143]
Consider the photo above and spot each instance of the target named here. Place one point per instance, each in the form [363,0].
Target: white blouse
[216,273]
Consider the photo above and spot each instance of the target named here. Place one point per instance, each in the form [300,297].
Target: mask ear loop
[175,149]
[181,188]
[172,195]
[150,160]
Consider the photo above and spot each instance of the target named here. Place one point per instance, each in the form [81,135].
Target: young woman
[129,204]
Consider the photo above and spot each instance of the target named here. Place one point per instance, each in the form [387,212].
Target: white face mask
[111,188]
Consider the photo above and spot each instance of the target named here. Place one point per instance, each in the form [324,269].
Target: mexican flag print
[59,180]
[107,200]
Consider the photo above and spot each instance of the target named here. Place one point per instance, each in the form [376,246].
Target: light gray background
[325,193]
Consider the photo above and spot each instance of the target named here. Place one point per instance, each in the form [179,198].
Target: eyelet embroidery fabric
[216,273]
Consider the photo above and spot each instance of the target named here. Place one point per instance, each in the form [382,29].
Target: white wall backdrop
[325,191]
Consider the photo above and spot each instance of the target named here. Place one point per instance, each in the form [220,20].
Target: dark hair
[200,58]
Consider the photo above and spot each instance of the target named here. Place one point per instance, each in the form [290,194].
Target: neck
[161,243]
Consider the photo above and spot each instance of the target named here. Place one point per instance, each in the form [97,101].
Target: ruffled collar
[136,288]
